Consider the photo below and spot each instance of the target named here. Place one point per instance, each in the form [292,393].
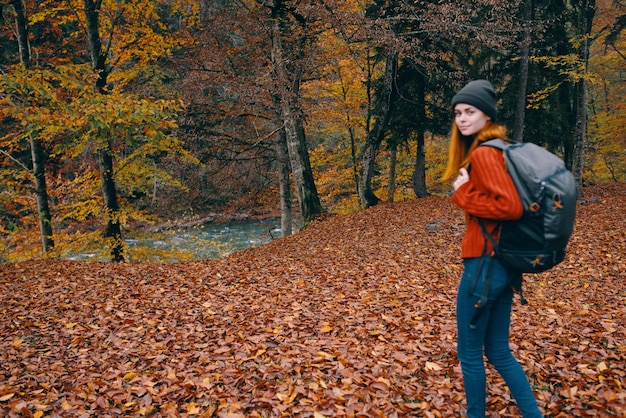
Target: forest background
[117,115]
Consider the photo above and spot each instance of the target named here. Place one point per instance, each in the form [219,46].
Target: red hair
[462,146]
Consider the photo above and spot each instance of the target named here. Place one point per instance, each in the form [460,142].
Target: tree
[107,116]
[605,156]
[559,80]
[37,150]
[419,171]
[104,152]
[289,39]
[243,81]
[135,24]
[231,118]
[339,100]
[525,40]
[282,159]
[583,27]
[382,115]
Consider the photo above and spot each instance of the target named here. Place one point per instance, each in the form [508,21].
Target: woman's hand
[462,178]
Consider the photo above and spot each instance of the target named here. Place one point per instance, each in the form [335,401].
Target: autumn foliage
[352,317]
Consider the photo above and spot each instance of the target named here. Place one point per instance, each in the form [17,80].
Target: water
[210,241]
[213,240]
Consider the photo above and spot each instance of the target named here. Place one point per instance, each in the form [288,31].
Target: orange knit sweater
[489,194]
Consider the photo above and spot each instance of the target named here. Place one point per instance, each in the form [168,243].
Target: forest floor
[353,317]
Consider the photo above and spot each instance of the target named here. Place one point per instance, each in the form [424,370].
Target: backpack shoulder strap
[498,143]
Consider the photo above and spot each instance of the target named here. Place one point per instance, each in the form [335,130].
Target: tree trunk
[308,198]
[21,22]
[355,165]
[393,161]
[419,171]
[520,106]
[585,19]
[288,70]
[113,230]
[377,134]
[567,120]
[41,191]
[282,158]
[36,149]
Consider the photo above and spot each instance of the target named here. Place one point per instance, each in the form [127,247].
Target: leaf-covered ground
[352,317]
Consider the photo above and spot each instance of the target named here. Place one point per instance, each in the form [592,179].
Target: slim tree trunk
[41,190]
[113,231]
[21,22]
[282,158]
[520,106]
[567,116]
[419,172]
[585,19]
[353,146]
[355,166]
[377,134]
[36,149]
[393,162]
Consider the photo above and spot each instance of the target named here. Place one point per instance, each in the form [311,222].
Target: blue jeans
[491,334]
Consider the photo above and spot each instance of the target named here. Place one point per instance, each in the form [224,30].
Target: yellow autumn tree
[607,139]
[337,103]
[119,106]
[340,103]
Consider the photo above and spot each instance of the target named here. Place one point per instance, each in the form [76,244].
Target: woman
[488,194]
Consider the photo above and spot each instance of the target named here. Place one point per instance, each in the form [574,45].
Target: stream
[210,241]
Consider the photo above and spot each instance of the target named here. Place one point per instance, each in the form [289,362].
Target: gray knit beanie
[478,93]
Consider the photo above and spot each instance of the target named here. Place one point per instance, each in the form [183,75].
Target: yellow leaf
[206,383]
[287,398]
[430,366]
[324,355]
[130,375]
[38,414]
[326,328]
[193,408]
[66,405]
[17,343]
[71,325]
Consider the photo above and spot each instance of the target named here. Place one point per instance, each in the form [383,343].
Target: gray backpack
[536,242]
